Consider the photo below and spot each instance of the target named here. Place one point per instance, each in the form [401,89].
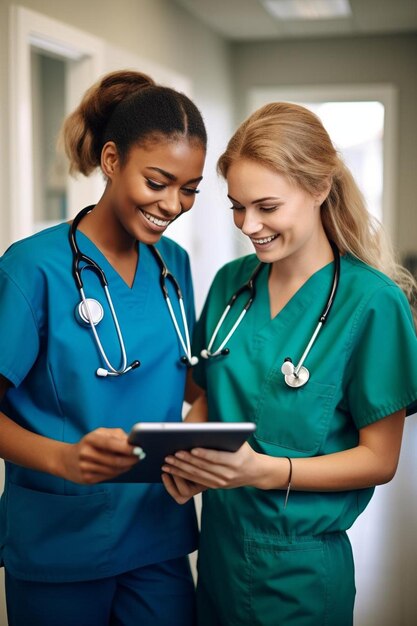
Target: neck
[105,230]
[299,266]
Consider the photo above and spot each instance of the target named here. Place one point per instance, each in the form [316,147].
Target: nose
[250,223]
[170,203]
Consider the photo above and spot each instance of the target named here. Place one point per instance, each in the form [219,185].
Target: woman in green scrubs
[274,549]
[78,548]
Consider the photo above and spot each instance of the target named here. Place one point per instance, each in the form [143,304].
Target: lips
[157,221]
[264,240]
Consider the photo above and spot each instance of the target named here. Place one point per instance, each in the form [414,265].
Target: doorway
[361,120]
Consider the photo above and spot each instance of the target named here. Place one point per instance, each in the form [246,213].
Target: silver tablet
[159,440]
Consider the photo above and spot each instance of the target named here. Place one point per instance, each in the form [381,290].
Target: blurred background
[352,61]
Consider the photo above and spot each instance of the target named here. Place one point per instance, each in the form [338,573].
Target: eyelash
[190,191]
[265,209]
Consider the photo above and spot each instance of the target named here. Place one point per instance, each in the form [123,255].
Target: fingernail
[138,451]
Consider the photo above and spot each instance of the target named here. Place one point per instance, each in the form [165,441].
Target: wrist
[58,459]
[273,472]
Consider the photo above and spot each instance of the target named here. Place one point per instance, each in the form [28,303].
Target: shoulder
[30,261]
[368,285]
[236,272]
[174,255]
[35,250]
[374,301]
[362,273]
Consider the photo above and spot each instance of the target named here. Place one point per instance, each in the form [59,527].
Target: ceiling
[243,20]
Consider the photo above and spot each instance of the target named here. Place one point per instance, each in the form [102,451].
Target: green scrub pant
[306,581]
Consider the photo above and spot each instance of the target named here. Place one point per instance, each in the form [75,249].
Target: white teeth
[264,240]
[155,220]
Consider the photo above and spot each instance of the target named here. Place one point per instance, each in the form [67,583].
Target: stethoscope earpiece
[287,368]
[102,372]
[189,361]
[207,355]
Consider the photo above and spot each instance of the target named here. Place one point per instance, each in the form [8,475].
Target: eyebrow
[254,201]
[172,177]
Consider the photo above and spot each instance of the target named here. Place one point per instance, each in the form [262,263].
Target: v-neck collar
[104,260]
[317,285]
[131,296]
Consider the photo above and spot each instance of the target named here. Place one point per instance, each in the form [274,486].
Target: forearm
[198,411]
[28,449]
[372,462]
[356,468]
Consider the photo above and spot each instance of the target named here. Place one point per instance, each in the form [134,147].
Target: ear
[110,160]
[320,197]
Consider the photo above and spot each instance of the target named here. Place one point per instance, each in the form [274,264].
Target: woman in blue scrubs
[274,548]
[77,550]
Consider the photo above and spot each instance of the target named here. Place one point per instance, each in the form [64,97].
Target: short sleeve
[19,336]
[382,369]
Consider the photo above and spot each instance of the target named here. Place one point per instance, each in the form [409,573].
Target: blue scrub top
[52,529]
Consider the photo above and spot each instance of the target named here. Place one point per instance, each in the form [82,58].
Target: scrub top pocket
[36,550]
[294,419]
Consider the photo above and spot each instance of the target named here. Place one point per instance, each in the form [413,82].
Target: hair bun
[82,130]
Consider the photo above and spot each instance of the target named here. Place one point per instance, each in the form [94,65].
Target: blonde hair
[292,141]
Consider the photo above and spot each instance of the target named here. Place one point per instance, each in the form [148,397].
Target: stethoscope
[294,375]
[89,312]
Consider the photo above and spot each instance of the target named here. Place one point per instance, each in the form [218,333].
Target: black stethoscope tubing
[79,257]
[295,376]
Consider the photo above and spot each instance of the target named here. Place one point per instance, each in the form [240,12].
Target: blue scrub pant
[157,595]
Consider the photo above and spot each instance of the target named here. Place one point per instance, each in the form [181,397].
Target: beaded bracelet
[289,483]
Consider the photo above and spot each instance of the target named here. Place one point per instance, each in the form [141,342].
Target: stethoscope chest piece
[89,312]
[298,380]
[94,309]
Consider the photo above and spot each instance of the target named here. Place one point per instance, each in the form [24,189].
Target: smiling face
[157,183]
[281,219]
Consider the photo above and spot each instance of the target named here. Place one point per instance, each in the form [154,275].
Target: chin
[149,239]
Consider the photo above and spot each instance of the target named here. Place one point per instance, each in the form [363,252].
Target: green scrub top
[363,367]
[52,529]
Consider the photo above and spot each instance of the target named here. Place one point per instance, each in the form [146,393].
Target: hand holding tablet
[158,440]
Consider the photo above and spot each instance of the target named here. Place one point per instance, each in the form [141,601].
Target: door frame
[84,54]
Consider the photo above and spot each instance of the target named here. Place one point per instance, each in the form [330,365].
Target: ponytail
[348,223]
[128,108]
[83,130]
